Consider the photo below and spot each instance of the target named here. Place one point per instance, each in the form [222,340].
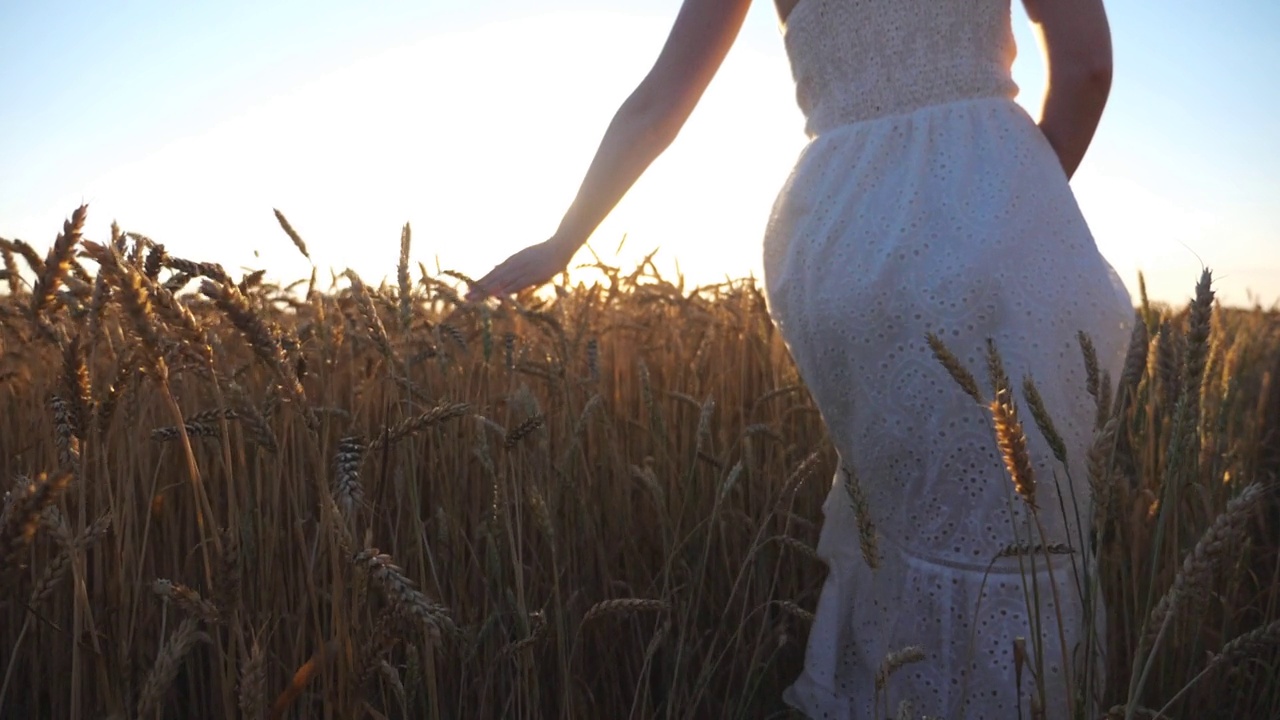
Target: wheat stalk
[867,539]
[1013,447]
[372,321]
[64,435]
[387,631]
[22,513]
[537,631]
[187,599]
[1250,644]
[201,424]
[1168,367]
[346,484]
[802,473]
[1199,566]
[253,680]
[258,429]
[795,610]
[131,291]
[255,330]
[12,275]
[799,546]
[1043,421]
[1024,548]
[624,606]
[53,574]
[154,263]
[895,661]
[212,271]
[995,371]
[417,423]
[29,254]
[404,597]
[1135,363]
[293,234]
[955,368]
[166,666]
[1093,378]
[1200,316]
[55,266]
[227,582]
[402,279]
[523,430]
[76,387]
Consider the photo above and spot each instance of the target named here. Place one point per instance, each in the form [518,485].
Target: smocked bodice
[856,60]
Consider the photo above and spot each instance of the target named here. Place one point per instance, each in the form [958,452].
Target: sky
[474,121]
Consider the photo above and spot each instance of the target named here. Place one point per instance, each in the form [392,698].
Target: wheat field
[230,498]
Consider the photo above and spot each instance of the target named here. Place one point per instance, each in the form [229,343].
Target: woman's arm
[643,127]
[1077,42]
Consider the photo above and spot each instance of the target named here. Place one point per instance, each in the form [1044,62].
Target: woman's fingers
[484,287]
[494,282]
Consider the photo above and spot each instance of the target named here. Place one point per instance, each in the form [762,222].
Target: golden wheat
[600,502]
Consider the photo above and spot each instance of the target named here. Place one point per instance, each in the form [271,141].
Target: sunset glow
[478,135]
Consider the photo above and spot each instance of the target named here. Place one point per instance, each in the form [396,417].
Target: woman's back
[856,60]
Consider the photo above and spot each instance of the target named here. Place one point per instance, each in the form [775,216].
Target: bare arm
[646,123]
[1077,42]
[654,113]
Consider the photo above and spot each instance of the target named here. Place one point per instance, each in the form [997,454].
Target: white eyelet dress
[927,201]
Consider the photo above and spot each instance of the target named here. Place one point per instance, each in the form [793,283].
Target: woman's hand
[530,267]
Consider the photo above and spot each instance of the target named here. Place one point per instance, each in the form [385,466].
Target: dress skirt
[955,220]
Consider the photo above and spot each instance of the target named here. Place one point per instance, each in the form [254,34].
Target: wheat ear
[166,666]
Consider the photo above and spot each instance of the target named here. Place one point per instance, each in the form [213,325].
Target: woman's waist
[1016,558]
[838,119]
[948,543]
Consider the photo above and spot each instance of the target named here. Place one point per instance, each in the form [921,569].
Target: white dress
[928,201]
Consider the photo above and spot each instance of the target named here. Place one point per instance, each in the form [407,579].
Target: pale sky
[475,121]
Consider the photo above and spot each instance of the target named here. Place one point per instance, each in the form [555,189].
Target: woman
[925,202]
